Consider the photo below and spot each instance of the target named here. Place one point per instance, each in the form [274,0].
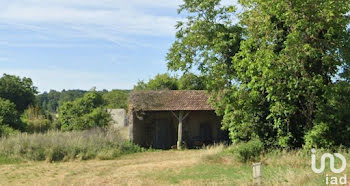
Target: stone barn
[173,118]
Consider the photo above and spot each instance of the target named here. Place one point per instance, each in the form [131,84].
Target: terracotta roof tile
[167,100]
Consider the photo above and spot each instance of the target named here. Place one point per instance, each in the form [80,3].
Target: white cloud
[101,3]
[113,20]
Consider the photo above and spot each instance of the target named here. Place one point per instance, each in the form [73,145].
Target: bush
[36,120]
[39,125]
[7,131]
[84,113]
[318,137]
[56,146]
[249,151]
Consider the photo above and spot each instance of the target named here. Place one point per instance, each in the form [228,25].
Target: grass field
[188,167]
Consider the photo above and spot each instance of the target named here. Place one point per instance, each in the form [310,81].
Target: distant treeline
[50,101]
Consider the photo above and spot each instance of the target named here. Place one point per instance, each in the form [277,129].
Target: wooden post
[257,173]
[179,131]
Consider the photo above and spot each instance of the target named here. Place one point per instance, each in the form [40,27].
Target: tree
[19,91]
[83,113]
[345,54]
[159,82]
[9,116]
[116,99]
[207,41]
[190,81]
[273,84]
[141,85]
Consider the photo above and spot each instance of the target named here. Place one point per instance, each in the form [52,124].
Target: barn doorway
[162,135]
[205,133]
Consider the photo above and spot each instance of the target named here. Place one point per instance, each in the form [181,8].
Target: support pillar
[179,130]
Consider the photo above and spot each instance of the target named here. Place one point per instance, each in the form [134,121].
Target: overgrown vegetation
[84,113]
[37,121]
[274,75]
[249,151]
[64,146]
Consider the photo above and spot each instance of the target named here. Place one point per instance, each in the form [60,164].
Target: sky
[80,44]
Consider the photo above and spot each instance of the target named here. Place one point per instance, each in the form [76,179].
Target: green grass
[6,160]
[210,172]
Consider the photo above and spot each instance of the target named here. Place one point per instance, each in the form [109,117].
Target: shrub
[5,130]
[36,120]
[56,146]
[84,113]
[318,137]
[249,151]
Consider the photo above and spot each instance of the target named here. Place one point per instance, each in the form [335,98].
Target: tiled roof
[169,100]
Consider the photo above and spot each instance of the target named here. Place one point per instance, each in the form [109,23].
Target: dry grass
[208,166]
[129,170]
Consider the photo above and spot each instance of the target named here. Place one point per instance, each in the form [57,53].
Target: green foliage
[207,40]
[318,137]
[249,151]
[162,82]
[188,81]
[5,130]
[275,83]
[52,100]
[6,160]
[116,99]
[141,85]
[345,54]
[9,117]
[19,91]
[84,113]
[159,82]
[36,120]
[332,123]
[56,146]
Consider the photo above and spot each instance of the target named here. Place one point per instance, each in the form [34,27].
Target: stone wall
[119,118]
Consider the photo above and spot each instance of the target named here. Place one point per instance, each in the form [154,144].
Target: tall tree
[19,91]
[207,40]
[272,84]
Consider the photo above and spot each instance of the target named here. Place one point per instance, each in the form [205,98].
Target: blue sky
[79,44]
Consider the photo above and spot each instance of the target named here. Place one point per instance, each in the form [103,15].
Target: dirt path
[128,170]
